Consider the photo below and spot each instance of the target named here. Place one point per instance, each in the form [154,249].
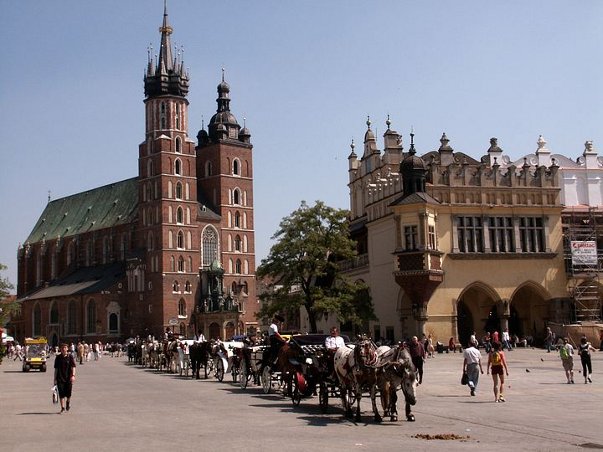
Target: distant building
[171,248]
[450,245]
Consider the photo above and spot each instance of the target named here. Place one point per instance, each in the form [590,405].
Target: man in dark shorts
[64,376]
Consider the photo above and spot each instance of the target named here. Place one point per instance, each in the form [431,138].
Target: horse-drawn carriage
[303,369]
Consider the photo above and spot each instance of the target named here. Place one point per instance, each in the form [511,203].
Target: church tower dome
[413,171]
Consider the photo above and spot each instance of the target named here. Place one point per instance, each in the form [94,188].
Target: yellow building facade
[451,245]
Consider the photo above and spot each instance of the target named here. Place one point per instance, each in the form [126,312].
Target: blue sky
[305,74]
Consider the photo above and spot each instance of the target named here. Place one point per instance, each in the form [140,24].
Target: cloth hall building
[172,247]
[451,245]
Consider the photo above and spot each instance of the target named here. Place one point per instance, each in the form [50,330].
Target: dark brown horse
[199,354]
[395,369]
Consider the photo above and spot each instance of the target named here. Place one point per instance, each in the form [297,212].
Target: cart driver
[332,343]
[275,340]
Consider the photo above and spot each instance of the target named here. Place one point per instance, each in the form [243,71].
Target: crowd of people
[67,356]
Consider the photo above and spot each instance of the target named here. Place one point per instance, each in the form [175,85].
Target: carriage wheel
[323,397]
[267,380]
[244,378]
[295,392]
[220,370]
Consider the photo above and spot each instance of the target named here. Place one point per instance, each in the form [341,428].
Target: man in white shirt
[200,337]
[472,364]
[506,340]
[274,337]
[334,341]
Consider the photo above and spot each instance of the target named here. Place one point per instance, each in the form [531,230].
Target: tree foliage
[6,309]
[303,270]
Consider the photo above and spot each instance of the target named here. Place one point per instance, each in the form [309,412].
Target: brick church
[172,247]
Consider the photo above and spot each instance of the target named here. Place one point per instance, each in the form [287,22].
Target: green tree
[302,267]
[6,309]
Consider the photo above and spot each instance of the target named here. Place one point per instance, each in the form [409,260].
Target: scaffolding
[583,228]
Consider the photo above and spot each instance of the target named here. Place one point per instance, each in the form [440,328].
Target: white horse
[394,369]
[355,371]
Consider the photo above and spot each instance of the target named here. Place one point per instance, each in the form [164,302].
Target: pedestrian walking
[566,353]
[506,340]
[549,339]
[584,350]
[487,340]
[18,353]
[64,376]
[472,365]
[417,354]
[497,364]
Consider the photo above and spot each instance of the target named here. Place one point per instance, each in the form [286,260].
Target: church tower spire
[166,75]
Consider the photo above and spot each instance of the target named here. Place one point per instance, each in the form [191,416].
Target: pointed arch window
[236,167]
[208,169]
[182,308]
[150,242]
[187,287]
[177,119]
[91,316]
[54,313]
[236,196]
[36,320]
[180,240]
[71,317]
[176,287]
[181,264]
[179,216]
[163,116]
[238,267]
[70,253]
[210,246]
[237,243]
[178,167]
[178,190]
[237,219]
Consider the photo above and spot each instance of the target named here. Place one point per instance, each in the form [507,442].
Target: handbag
[55,394]
[465,379]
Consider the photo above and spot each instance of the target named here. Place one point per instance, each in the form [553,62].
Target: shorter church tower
[225,177]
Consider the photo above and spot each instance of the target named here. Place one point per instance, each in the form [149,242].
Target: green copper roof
[104,207]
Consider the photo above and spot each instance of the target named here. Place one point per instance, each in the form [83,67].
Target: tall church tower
[167,209]
[225,177]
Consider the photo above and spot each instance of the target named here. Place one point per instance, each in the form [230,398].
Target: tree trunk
[312,321]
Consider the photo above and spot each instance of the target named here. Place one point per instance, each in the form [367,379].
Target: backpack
[563,352]
[496,359]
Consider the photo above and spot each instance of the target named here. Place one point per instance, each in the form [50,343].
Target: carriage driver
[274,338]
[332,343]
[200,337]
